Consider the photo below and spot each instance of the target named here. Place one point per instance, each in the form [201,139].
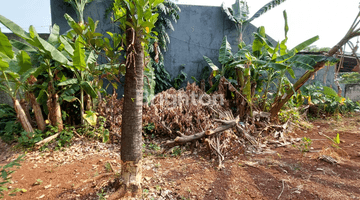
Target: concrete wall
[352,91]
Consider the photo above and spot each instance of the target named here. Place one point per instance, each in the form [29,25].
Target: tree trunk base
[129,186]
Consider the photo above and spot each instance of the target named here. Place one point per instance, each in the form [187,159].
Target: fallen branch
[46,140]
[188,138]
[281,190]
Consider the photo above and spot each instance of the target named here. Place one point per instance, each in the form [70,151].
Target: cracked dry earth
[82,170]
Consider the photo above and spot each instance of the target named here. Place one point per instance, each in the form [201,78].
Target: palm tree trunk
[22,117]
[131,133]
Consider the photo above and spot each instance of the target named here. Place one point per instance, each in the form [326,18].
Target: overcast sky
[330,19]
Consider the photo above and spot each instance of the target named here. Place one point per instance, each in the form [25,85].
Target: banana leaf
[211,64]
[264,9]
[88,89]
[54,53]
[79,55]
[5,46]
[54,35]
[71,81]
[225,54]
[22,46]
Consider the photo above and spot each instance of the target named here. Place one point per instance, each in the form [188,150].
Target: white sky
[330,19]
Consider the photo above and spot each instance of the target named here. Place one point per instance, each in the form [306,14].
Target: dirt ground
[84,171]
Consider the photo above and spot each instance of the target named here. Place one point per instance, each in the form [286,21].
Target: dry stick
[189,138]
[48,139]
[281,190]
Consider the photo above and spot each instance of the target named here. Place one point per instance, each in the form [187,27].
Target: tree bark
[131,127]
[22,117]
[25,106]
[55,112]
[37,112]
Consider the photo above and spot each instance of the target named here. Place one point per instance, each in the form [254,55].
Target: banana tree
[354,31]
[13,73]
[261,63]
[49,61]
[239,13]
[82,67]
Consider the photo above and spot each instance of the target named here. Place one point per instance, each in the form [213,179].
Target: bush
[10,128]
[327,100]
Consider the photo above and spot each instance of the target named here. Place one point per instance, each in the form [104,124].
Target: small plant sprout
[108,167]
[157,187]
[176,151]
[304,145]
[38,182]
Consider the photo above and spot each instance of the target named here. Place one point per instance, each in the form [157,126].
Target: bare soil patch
[82,170]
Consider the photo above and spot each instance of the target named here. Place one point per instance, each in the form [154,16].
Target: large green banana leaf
[54,35]
[5,46]
[17,30]
[306,43]
[71,81]
[88,89]
[67,46]
[225,54]
[79,55]
[22,46]
[54,53]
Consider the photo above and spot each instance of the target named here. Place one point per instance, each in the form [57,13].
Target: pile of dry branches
[190,116]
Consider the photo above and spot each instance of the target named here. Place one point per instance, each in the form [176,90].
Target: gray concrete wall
[352,91]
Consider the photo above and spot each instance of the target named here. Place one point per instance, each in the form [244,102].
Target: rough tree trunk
[37,112]
[20,113]
[131,136]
